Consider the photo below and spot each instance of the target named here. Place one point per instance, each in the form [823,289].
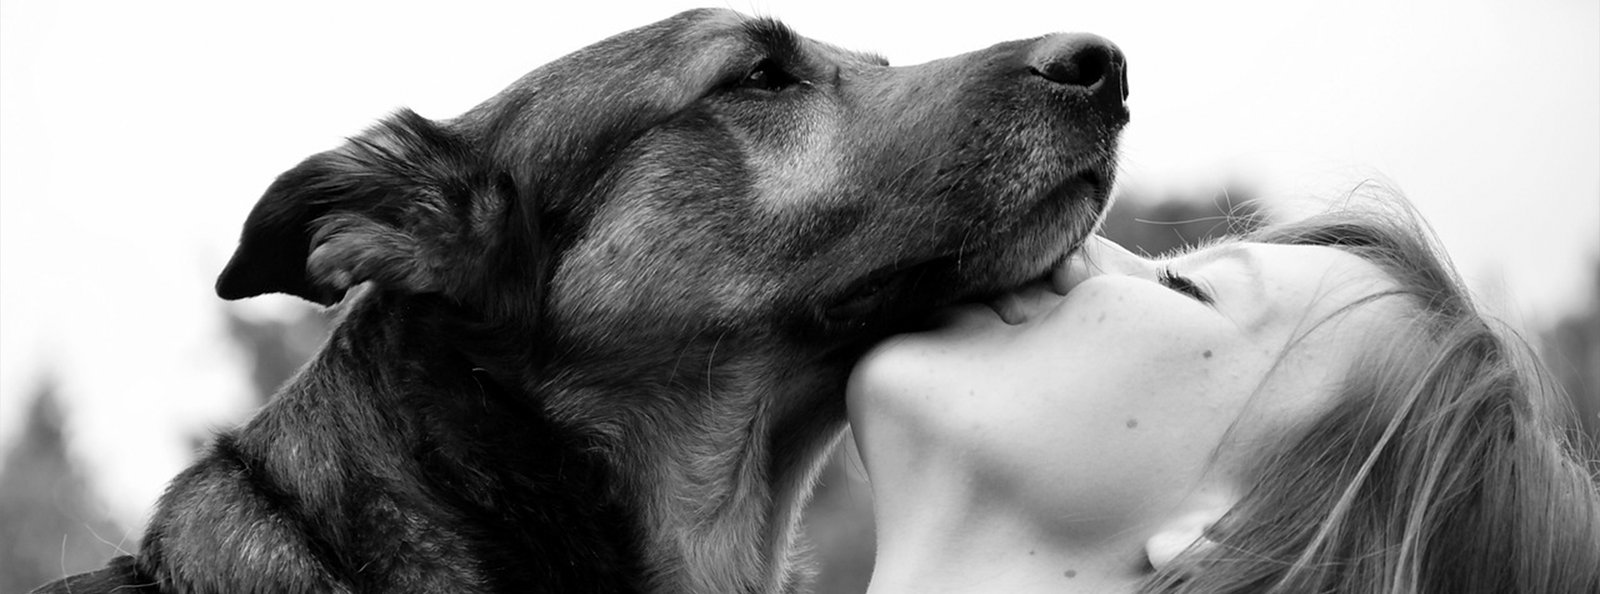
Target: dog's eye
[767,75]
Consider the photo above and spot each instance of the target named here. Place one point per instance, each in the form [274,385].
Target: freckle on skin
[1071,573]
[1206,354]
[1133,423]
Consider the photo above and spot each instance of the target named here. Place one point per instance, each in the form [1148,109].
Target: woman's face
[1110,403]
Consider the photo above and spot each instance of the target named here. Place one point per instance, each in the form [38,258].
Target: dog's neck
[719,454]
[715,452]
[506,470]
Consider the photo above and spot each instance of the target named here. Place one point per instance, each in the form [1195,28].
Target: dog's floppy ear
[409,204]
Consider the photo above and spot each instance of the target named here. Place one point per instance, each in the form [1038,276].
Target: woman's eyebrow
[1227,251]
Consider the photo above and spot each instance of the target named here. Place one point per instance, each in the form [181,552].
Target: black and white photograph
[813,297]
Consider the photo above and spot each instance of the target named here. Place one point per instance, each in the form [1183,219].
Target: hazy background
[134,137]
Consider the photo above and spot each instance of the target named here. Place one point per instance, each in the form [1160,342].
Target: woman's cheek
[1145,338]
[1134,316]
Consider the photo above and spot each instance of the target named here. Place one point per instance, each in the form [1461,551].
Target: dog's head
[711,174]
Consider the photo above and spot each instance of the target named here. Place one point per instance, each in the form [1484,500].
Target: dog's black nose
[1083,61]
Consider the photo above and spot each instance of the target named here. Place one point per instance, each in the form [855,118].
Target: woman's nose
[1098,256]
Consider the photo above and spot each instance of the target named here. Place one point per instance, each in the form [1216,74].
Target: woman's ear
[1186,532]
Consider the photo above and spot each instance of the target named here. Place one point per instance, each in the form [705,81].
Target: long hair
[1445,464]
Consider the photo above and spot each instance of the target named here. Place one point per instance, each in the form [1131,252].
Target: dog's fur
[595,331]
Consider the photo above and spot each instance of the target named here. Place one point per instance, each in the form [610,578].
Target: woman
[1316,408]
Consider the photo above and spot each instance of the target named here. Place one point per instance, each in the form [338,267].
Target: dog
[593,333]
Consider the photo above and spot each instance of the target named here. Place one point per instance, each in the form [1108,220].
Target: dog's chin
[1052,231]
[1074,206]
[908,296]
[916,297]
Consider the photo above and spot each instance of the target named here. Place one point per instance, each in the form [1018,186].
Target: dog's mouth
[1009,305]
[902,294]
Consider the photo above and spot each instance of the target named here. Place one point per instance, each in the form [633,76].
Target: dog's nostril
[1080,69]
[1082,61]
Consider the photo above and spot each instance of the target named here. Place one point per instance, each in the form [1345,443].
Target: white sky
[135,136]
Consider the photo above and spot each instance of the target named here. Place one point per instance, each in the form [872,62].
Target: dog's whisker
[684,349]
[711,362]
[1204,219]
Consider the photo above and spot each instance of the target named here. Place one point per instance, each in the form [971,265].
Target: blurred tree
[277,348]
[1157,224]
[1571,348]
[51,523]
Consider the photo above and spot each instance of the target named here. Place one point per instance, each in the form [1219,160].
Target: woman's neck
[952,536]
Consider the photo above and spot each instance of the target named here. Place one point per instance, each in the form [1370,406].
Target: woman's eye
[768,76]
[1182,284]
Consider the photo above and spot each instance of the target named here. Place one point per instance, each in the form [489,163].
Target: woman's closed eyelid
[1183,283]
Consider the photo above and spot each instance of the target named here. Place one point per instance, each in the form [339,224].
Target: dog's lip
[1090,175]
[1093,168]
[862,297]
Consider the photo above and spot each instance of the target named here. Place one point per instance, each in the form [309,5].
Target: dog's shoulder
[221,527]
